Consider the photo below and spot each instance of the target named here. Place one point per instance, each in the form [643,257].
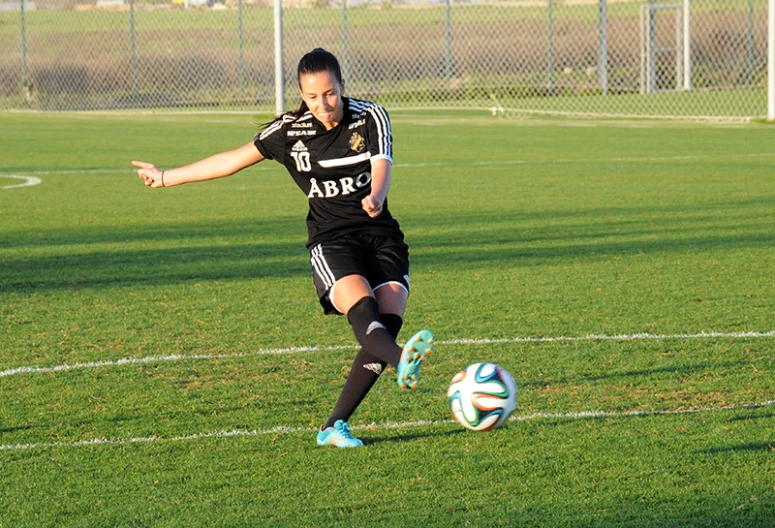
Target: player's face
[323,95]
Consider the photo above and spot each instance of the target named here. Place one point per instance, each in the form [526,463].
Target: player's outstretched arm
[216,166]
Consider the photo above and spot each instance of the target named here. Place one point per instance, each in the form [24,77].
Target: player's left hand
[372,205]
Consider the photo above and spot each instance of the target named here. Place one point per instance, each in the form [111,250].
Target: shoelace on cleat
[344,430]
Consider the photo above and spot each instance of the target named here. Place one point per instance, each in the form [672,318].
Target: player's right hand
[149,173]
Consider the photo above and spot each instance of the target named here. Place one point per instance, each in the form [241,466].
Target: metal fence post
[771,61]
[687,45]
[750,52]
[241,53]
[133,46]
[550,46]
[25,82]
[602,47]
[279,73]
[345,43]
[448,51]
[651,43]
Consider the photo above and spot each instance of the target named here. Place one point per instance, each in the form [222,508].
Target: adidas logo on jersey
[299,147]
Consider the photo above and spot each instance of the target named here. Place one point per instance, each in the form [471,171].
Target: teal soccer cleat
[415,350]
[339,436]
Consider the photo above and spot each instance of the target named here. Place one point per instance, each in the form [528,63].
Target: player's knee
[392,322]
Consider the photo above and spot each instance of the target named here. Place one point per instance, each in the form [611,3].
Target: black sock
[372,333]
[363,374]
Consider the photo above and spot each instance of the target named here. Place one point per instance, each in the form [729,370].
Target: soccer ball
[482,396]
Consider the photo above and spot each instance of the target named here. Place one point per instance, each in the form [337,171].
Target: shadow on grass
[768,447]
[752,417]
[75,424]
[84,257]
[510,236]
[641,373]
[166,256]
[368,440]
[16,428]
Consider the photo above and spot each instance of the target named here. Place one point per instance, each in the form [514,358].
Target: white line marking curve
[29,181]
[294,350]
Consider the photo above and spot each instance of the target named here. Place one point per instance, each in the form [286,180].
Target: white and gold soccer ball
[482,396]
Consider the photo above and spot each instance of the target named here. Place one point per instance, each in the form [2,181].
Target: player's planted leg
[365,371]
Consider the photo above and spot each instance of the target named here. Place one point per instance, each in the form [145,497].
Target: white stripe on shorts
[321,266]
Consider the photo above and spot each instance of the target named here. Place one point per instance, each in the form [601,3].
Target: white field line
[29,181]
[485,341]
[162,359]
[68,171]
[607,160]
[742,155]
[583,415]
[720,120]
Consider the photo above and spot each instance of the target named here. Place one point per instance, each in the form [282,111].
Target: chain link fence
[564,57]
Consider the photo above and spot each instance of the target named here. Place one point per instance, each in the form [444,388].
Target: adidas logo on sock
[376,368]
[373,326]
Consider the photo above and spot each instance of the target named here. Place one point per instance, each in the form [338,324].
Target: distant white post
[602,46]
[771,62]
[25,82]
[687,80]
[279,72]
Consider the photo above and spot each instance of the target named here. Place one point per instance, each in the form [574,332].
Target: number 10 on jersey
[302,161]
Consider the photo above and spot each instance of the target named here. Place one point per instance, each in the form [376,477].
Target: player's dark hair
[316,61]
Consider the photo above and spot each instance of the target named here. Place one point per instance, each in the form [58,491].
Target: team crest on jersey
[357,143]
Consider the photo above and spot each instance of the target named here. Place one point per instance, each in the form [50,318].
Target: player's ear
[341,87]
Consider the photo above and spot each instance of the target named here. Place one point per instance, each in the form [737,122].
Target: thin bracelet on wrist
[162,179]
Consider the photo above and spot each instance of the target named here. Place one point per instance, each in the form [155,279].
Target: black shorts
[381,260]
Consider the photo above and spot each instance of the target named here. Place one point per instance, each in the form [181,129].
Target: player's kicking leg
[414,352]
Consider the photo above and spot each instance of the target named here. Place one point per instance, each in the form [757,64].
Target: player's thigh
[348,290]
[387,263]
[331,262]
[387,267]
[351,268]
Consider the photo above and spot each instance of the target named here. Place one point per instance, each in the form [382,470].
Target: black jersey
[333,167]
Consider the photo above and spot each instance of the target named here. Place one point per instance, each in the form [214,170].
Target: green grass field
[163,360]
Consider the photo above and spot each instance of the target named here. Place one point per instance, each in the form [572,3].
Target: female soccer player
[339,152]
